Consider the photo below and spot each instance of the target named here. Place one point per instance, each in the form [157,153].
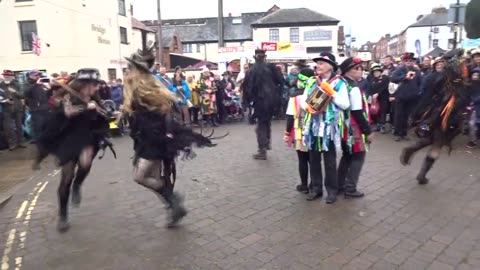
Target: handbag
[374,107]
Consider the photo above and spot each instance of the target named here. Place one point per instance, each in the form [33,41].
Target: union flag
[36,44]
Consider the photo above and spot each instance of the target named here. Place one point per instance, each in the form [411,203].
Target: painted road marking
[29,206]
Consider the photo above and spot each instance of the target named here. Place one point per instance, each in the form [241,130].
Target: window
[112,74]
[294,35]
[274,36]
[199,47]
[121,7]
[187,48]
[26,30]
[123,35]
[436,30]
[451,42]
[435,43]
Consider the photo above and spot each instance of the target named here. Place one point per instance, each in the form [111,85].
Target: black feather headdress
[142,59]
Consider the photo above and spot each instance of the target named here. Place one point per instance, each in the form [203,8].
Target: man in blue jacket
[408,91]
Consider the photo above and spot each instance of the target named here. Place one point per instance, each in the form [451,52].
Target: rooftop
[295,16]
[136,24]
[205,30]
[433,19]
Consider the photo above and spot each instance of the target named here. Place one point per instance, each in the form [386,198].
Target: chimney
[439,10]
[131,9]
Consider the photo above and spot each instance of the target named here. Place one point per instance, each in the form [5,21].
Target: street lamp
[159,33]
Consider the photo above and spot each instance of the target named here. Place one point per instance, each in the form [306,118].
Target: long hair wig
[147,91]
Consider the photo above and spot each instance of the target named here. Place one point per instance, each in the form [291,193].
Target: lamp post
[456,23]
[159,34]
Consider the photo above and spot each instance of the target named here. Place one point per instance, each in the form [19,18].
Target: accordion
[319,99]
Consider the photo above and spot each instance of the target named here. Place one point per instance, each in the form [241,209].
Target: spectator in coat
[408,79]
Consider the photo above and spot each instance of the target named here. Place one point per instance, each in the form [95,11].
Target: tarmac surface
[246,214]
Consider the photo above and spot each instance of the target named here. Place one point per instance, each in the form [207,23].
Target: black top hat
[260,51]
[91,74]
[142,59]
[307,72]
[301,63]
[349,63]
[328,58]
[408,56]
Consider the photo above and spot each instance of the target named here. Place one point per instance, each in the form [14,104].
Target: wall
[66,25]
[422,34]
[263,35]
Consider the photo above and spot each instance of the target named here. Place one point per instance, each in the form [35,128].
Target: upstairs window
[26,30]
[294,35]
[123,35]
[274,35]
[121,8]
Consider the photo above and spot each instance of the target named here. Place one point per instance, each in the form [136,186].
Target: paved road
[245,214]
[14,169]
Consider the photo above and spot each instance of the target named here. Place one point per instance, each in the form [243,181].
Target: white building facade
[315,38]
[73,35]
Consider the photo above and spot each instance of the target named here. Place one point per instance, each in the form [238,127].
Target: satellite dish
[150,43]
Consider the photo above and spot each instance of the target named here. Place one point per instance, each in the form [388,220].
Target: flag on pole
[36,44]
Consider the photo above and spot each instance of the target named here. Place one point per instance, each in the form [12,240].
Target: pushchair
[233,107]
[114,121]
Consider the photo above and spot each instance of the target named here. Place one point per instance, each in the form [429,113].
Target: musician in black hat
[260,90]
[74,133]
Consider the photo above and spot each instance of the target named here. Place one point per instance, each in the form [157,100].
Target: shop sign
[269,46]
[101,31]
[317,35]
[233,49]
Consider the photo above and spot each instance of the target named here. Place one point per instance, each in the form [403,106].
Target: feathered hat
[142,59]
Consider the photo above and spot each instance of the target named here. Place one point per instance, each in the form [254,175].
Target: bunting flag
[36,44]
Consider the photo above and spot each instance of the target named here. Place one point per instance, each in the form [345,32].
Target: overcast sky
[368,19]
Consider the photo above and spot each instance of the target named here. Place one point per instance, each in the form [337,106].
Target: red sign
[269,46]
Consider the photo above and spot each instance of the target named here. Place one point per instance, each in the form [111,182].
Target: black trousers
[403,109]
[221,110]
[303,161]
[264,132]
[38,120]
[384,111]
[349,170]
[12,128]
[194,114]
[330,164]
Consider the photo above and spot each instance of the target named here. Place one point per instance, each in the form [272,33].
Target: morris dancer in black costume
[260,88]
[439,113]
[157,136]
[75,132]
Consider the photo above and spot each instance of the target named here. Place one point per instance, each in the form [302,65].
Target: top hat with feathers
[142,59]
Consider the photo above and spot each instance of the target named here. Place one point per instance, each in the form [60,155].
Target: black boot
[261,155]
[177,210]
[426,166]
[213,120]
[408,152]
[174,203]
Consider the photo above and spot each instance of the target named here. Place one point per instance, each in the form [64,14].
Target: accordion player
[320,97]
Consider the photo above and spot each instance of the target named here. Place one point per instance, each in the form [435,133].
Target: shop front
[233,58]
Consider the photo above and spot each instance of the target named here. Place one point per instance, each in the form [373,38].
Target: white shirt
[356,99]
[291,107]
